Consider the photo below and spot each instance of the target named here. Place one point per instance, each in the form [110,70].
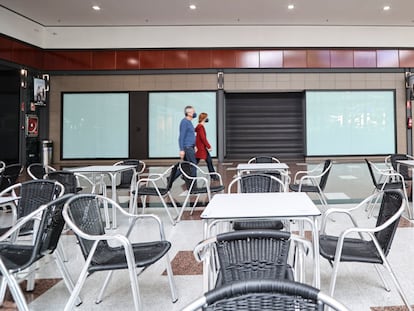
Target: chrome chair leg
[104,286]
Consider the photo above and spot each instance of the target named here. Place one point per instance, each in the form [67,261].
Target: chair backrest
[126,176]
[264,159]
[371,172]
[84,210]
[326,170]
[46,237]
[403,169]
[173,170]
[252,254]
[266,295]
[10,175]
[66,178]
[35,193]
[37,170]
[254,183]
[392,201]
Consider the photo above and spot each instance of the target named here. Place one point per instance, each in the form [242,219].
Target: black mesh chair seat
[264,224]
[113,258]
[201,190]
[16,257]
[390,186]
[354,249]
[252,295]
[304,188]
[152,191]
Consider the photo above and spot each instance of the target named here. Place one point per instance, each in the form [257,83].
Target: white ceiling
[64,13]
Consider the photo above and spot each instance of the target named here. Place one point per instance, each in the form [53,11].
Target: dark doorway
[264,123]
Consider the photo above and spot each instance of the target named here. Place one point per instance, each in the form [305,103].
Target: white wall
[203,36]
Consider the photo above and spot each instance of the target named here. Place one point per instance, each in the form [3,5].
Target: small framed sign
[32,125]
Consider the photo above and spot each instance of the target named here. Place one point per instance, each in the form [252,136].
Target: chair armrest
[346,211]
[306,172]
[135,217]
[202,249]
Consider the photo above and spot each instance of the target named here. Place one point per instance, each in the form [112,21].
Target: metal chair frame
[93,241]
[363,234]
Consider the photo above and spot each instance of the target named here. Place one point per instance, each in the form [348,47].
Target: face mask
[194,115]
[206,120]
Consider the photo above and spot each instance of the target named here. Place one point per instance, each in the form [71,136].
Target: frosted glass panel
[95,125]
[166,110]
[350,123]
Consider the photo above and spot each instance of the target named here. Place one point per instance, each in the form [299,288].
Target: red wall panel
[104,60]
[365,59]
[151,59]
[342,58]
[247,59]
[127,60]
[271,59]
[406,58]
[294,59]
[199,59]
[6,48]
[318,59]
[223,58]
[27,55]
[175,59]
[387,58]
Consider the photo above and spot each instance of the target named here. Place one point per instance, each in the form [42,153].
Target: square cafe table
[111,171]
[254,206]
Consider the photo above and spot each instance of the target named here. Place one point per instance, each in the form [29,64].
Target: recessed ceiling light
[291,6]
[192,6]
[386,8]
[96,8]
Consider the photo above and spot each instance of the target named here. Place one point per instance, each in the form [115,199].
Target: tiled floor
[358,285]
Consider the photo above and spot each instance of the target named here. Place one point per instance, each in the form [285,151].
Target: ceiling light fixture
[192,6]
[96,8]
[386,8]
[291,6]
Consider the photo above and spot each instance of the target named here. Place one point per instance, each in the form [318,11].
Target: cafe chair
[156,185]
[249,254]
[9,175]
[202,183]
[392,162]
[127,177]
[386,180]
[17,258]
[71,181]
[313,181]
[263,159]
[109,251]
[258,295]
[365,245]
[257,183]
[37,170]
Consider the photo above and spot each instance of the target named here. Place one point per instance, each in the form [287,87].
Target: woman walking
[202,144]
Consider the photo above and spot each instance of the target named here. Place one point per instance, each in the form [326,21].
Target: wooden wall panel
[175,59]
[151,59]
[247,59]
[342,58]
[5,48]
[318,59]
[127,59]
[271,59]
[365,59]
[406,58]
[104,60]
[294,58]
[199,59]
[387,58]
[223,59]
[67,60]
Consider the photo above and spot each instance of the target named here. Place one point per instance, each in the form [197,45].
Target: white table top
[406,162]
[101,168]
[262,166]
[260,205]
